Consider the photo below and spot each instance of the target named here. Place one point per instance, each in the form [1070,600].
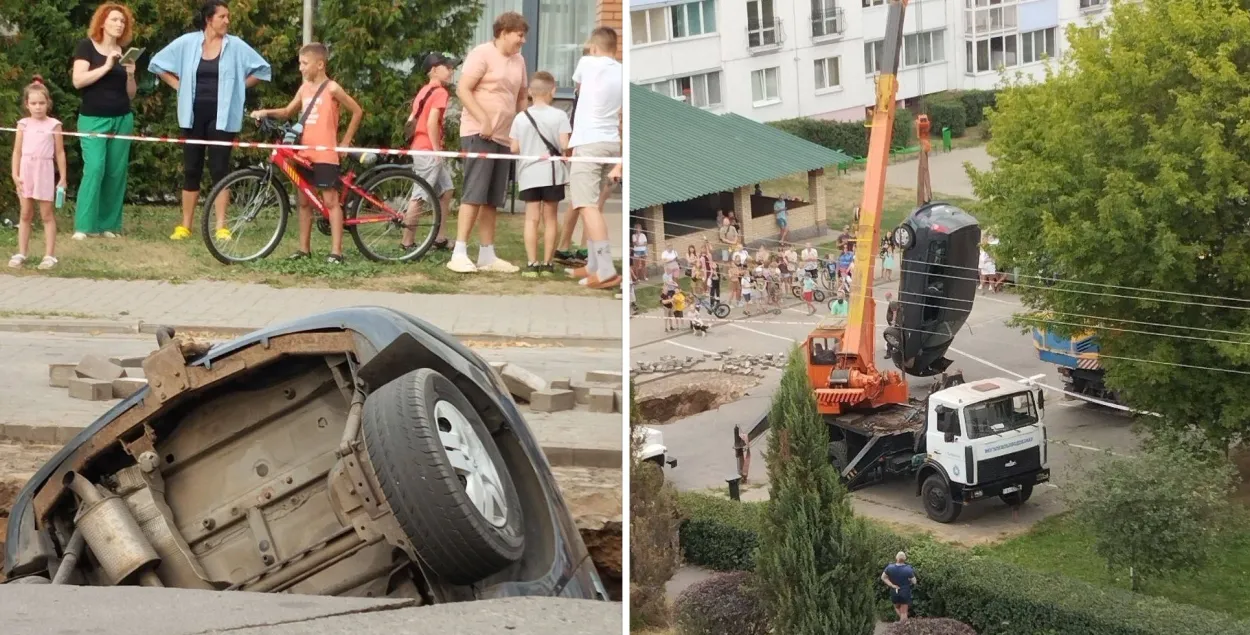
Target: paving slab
[41,609]
[35,302]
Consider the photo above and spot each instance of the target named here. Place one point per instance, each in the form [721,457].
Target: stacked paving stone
[600,392]
[97,378]
[730,363]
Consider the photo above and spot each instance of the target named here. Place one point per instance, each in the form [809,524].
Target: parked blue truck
[1078,361]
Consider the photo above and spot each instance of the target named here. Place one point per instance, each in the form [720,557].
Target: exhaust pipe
[113,534]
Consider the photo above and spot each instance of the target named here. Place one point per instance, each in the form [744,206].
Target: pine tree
[813,565]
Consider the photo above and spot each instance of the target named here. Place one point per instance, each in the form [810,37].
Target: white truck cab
[653,448]
[982,439]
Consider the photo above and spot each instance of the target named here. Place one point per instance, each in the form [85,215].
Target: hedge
[992,596]
[724,604]
[850,137]
[947,113]
[975,102]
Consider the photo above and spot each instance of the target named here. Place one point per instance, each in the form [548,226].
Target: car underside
[360,452]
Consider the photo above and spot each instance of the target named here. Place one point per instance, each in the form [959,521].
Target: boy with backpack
[426,125]
[541,130]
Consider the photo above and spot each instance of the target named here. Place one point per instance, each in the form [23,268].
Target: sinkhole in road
[683,395]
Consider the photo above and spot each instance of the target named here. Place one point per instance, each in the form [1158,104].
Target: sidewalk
[31,303]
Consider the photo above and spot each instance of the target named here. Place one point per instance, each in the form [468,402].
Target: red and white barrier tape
[381,151]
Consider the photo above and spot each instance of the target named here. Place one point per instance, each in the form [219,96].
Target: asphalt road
[1079,433]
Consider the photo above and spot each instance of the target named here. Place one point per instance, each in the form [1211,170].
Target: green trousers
[105,164]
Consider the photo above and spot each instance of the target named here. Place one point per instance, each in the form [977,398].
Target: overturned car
[359,452]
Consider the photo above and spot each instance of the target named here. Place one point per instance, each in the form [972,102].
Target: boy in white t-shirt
[541,130]
[601,90]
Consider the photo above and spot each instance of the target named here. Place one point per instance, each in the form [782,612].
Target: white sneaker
[109,235]
[499,265]
[461,264]
[79,236]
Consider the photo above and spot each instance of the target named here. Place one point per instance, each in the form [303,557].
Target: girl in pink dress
[38,145]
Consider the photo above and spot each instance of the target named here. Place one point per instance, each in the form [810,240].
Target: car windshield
[1000,414]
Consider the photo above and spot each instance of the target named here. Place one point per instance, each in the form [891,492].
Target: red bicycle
[377,207]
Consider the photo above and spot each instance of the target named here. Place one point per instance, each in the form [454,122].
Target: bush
[850,137]
[369,40]
[975,102]
[653,548]
[724,604]
[947,113]
[930,626]
[992,596]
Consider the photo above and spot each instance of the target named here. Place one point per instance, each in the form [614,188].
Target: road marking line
[780,337]
[697,350]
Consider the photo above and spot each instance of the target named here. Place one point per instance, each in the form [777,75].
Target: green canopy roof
[678,152]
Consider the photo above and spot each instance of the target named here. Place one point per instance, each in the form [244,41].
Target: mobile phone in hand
[131,56]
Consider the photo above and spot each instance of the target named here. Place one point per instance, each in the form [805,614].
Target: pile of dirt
[687,394]
[8,494]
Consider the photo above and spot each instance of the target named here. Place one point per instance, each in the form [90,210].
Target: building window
[563,28]
[826,18]
[873,52]
[693,18]
[765,86]
[702,90]
[828,73]
[924,48]
[1037,45]
[1092,4]
[648,26]
[873,3]
[761,24]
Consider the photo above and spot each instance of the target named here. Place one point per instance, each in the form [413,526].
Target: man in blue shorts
[779,211]
[900,577]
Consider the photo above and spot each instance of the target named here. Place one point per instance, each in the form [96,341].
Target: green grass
[145,252]
[649,292]
[1061,545]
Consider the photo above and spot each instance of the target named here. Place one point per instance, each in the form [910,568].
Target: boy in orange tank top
[320,128]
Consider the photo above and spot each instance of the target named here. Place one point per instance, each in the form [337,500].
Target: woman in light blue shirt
[211,70]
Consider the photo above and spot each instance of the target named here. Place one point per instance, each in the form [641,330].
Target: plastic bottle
[60,197]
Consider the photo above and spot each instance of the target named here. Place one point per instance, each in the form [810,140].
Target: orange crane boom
[854,380]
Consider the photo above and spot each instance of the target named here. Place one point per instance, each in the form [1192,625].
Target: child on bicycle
[319,97]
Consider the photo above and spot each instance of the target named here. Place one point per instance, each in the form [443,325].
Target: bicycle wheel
[257,210]
[721,310]
[377,218]
[818,295]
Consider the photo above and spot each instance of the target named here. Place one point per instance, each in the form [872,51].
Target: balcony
[764,36]
[827,24]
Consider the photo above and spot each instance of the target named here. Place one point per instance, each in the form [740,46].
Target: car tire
[1015,499]
[938,504]
[904,237]
[465,522]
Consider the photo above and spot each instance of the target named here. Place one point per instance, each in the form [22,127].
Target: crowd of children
[39,170]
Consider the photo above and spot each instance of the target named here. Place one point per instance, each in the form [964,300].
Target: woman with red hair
[106,86]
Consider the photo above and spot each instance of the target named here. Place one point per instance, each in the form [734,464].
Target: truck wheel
[839,455]
[1016,499]
[938,503]
[443,476]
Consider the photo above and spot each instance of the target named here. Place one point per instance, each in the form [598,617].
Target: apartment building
[776,59]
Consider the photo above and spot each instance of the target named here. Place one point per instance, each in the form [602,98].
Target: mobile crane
[962,442]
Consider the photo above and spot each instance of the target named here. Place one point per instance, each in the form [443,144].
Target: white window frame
[822,69]
[1088,6]
[664,25]
[672,88]
[702,15]
[873,3]
[1030,53]
[872,51]
[762,74]
[919,42]
[764,28]
[825,13]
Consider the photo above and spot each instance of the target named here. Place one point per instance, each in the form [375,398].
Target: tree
[375,48]
[1158,512]
[813,565]
[1129,168]
[653,532]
